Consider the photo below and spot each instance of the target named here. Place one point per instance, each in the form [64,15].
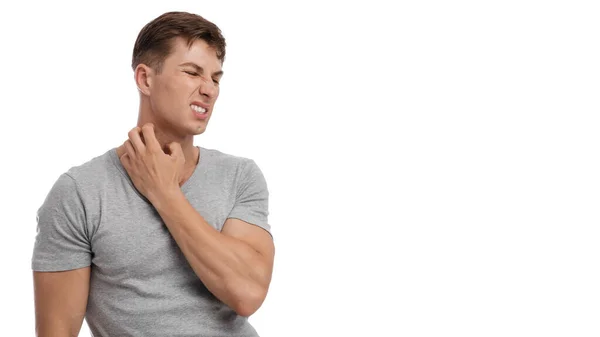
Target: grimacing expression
[182,96]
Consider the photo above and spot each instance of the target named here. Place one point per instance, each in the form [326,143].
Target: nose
[208,88]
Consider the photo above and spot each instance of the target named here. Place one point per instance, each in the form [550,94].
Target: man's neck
[190,152]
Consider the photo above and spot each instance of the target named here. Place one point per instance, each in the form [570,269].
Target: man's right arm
[60,301]
[61,261]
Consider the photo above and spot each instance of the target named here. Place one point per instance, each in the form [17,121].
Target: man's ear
[143,78]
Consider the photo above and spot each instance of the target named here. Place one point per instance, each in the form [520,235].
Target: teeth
[198,108]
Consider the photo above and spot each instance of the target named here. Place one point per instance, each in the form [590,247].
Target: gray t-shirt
[141,284]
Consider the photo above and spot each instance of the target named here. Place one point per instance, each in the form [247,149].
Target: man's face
[183,95]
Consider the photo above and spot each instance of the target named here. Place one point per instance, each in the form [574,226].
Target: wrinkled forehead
[198,52]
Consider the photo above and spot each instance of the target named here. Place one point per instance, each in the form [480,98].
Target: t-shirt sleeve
[252,197]
[61,241]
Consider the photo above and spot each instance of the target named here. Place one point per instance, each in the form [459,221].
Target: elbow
[249,302]
[245,309]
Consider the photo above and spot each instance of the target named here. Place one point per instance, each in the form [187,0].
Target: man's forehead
[198,54]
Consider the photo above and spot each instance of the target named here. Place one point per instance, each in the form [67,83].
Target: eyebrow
[199,69]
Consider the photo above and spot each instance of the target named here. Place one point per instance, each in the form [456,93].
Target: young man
[158,237]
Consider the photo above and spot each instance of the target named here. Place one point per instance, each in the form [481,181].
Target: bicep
[61,301]
[254,236]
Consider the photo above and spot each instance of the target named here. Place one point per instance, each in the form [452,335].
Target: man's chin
[199,130]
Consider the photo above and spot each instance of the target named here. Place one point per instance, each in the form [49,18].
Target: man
[158,237]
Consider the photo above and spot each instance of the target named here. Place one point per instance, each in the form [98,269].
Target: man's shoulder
[232,166]
[96,168]
[222,159]
[83,180]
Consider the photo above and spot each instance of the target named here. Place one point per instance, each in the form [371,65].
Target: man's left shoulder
[229,162]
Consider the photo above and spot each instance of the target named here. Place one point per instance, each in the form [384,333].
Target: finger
[125,160]
[136,140]
[129,150]
[150,138]
[175,149]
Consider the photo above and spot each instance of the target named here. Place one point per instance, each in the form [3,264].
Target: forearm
[230,268]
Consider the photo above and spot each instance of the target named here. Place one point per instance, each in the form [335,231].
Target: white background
[433,165]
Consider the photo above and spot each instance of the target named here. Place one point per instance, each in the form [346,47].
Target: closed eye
[191,73]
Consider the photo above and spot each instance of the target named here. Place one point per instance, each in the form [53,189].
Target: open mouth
[198,109]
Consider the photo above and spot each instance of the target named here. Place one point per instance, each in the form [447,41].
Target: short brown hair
[154,42]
